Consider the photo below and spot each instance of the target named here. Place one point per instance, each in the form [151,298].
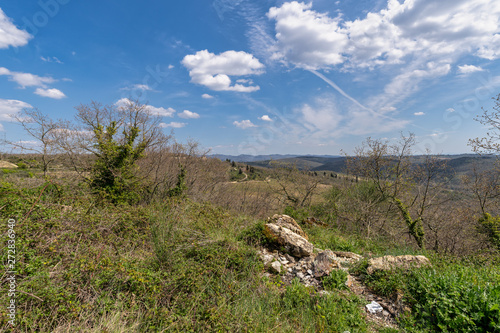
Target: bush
[335,280]
[490,226]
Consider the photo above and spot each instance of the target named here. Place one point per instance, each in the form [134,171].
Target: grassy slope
[181,266]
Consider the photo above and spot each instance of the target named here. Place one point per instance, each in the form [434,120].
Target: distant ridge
[257,158]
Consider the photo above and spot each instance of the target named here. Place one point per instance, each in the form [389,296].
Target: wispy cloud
[141,87]
[26,79]
[158,111]
[9,107]
[51,59]
[173,124]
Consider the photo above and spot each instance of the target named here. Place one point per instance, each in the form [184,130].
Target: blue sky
[261,76]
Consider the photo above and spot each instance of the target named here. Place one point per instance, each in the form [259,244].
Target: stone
[276,267]
[390,262]
[374,307]
[267,259]
[349,255]
[349,282]
[294,244]
[324,263]
[289,258]
[309,272]
[289,223]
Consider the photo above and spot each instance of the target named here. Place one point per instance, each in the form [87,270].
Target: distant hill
[257,158]
[456,164]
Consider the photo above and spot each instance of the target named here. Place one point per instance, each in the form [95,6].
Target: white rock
[374,307]
[276,267]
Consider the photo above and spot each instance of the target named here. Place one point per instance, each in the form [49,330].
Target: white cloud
[265,118]
[450,110]
[244,124]
[428,29]
[306,38]
[214,71]
[173,124]
[10,107]
[207,96]
[387,109]
[142,87]
[324,116]
[467,69]
[51,59]
[162,112]
[50,93]
[186,114]
[10,35]
[26,79]
[419,113]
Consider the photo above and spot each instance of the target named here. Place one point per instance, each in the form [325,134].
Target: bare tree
[491,142]
[294,185]
[41,128]
[409,188]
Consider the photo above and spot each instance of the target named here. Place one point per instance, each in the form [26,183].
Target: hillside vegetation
[149,235]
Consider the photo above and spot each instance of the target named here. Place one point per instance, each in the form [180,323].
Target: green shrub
[335,280]
[299,214]
[454,299]
[22,165]
[490,226]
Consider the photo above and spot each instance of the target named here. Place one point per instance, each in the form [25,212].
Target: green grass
[172,266]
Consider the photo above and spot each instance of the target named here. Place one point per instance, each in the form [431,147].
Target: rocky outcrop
[287,222]
[293,243]
[311,265]
[391,262]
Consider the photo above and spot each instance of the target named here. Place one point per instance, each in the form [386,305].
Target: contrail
[343,93]
[336,87]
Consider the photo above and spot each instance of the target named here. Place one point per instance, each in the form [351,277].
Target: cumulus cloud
[173,124]
[428,28]
[467,69]
[306,38]
[214,71]
[450,110]
[186,114]
[420,113]
[9,107]
[10,35]
[26,79]
[265,118]
[207,96]
[50,93]
[162,112]
[244,124]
